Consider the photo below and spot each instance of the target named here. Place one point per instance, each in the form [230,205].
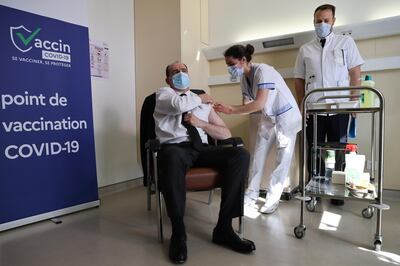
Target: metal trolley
[329,190]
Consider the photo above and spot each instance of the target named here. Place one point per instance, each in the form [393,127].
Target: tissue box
[364,181]
[338,177]
[320,105]
[348,104]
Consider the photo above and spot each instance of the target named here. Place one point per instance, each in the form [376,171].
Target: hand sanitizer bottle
[367,99]
[329,164]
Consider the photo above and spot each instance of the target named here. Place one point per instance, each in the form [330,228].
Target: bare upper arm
[215,119]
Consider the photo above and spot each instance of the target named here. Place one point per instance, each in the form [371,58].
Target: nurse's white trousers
[266,138]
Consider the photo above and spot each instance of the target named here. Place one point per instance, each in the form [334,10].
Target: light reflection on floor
[329,221]
[384,256]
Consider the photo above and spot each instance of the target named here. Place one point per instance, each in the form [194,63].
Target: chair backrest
[147,127]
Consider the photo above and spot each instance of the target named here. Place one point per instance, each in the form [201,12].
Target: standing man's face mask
[322,29]
[181,81]
[235,71]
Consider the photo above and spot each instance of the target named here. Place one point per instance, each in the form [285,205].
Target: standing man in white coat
[329,60]
[264,89]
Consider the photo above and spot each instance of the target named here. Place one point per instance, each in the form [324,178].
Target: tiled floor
[122,232]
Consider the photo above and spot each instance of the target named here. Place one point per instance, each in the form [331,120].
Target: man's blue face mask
[181,81]
[322,29]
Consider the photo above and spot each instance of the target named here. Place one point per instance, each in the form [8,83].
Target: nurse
[329,60]
[264,90]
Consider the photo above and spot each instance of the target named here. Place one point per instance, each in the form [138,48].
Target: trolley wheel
[300,231]
[311,205]
[367,213]
[378,245]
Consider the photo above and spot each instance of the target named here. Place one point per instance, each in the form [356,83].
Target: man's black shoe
[337,202]
[178,249]
[230,239]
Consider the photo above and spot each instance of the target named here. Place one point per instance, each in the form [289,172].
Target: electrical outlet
[369,164]
[346,32]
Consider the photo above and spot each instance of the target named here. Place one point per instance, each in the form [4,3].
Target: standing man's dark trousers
[331,128]
[176,159]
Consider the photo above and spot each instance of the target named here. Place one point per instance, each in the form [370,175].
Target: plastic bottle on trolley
[351,151]
[367,97]
[329,164]
[354,166]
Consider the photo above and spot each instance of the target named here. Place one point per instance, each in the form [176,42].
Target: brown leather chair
[197,179]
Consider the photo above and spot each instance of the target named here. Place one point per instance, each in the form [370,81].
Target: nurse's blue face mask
[181,81]
[322,29]
[235,72]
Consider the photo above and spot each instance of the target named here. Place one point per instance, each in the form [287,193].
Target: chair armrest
[153,145]
[234,141]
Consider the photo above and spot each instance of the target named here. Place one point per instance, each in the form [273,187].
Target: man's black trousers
[174,160]
[331,128]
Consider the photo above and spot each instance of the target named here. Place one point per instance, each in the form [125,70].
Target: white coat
[328,66]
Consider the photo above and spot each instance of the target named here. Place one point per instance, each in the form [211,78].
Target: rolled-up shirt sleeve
[169,102]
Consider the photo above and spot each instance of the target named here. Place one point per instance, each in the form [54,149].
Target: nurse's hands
[223,108]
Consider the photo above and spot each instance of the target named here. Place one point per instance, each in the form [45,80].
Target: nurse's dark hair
[238,51]
[326,7]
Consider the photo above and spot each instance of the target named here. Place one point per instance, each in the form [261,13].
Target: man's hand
[205,98]
[193,120]
[223,108]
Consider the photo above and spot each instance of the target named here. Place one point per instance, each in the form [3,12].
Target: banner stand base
[48,215]
[56,220]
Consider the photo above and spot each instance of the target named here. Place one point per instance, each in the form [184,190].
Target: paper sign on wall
[99,53]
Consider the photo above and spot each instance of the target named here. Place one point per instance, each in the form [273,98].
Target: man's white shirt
[170,106]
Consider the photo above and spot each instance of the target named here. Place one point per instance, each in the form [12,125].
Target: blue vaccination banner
[47,156]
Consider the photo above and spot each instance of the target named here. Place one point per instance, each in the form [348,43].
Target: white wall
[151,54]
[237,20]
[193,26]
[114,108]
[73,11]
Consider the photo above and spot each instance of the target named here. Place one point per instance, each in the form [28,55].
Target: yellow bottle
[367,97]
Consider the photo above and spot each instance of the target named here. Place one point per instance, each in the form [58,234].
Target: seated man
[182,120]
